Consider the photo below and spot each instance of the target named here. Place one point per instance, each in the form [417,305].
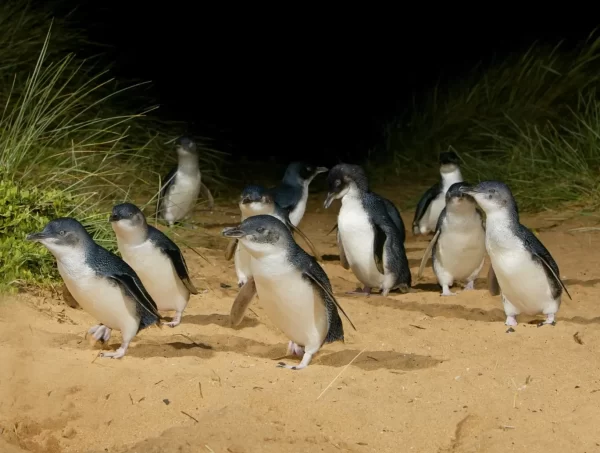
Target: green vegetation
[67,145]
[532,121]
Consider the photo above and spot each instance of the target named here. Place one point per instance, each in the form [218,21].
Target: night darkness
[263,88]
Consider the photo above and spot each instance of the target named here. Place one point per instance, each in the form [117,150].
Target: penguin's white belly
[158,275]
[182,196]
[460,253]
[298,212]
[429,220]
[522,281]
[357,239]
[289,301]
[242,263]
[106,302]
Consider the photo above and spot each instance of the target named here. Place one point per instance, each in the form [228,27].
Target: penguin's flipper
[135,289]
[286,196]
[343,259]
[428,251]
[394,214]
[181,268]
[335,227]
[379,239]
[316,281]
[241,302]
[166,185]
[308,241]
[206,193]
[230,250]
[423,204]
[492,282]
[545,263]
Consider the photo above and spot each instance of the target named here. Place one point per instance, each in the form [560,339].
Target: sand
[434,374]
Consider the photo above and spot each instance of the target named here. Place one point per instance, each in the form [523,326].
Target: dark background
[275,83]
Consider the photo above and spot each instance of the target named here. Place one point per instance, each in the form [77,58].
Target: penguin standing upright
[103,284]
[182,184]
[292,193]
[155,258]
[434,199]
[369,239]
[458,247]
[293,289]
[528,276]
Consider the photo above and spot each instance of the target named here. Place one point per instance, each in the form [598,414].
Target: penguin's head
[449,162]
[261,234]
[255,200]
[301,172]
[127,218]
[456,197]
[62,236]
[491,196]
[185,146]
[342,178]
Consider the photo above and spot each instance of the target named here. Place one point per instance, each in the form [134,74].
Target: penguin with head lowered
[434,199]
[155,258]
[369,238]
[182,184]
[292,193]
[528,276]
[103,284]
[293,289]
[458,247]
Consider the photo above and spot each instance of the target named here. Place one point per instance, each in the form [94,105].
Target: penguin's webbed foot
[470,286]
[446,291]
[306,358]
[176,320]
[366,291]
[114,355]
[294,349]
[549,321]
[511,321]
[100,332]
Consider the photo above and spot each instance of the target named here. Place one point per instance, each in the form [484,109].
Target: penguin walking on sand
[155,258]
[103,284]
[293,289]
[528,276]
[292,193]
[256,200]
[434,199]
[458,248]
[182,184]
[369,239]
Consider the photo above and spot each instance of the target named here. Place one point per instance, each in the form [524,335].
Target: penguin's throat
[132,236]
[451,177]
[188,164]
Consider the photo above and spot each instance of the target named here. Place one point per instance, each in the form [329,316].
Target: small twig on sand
[185,413]
[131,399]
[340,373]
[583,229]
[200,388]
[209,449]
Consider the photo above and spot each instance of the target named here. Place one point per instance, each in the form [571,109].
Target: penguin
[527,274]
[103,284]
[256,200]
[458,246]
[368,237]
[155,258]
[182,185]
[293,289]
[292,193]
[433,200]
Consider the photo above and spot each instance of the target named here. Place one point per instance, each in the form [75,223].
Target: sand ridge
[435,374]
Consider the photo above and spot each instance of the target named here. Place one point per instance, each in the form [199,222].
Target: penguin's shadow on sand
[219,319]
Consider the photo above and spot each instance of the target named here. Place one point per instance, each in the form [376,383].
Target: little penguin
[458,247]
[103,284]
[527,274]
[292,193]
[183,184]
[155,258]
[369,237]
[434,199]
[293,289]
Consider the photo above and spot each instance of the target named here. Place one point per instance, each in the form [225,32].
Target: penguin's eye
[337,182]
[61,232]
[260,229]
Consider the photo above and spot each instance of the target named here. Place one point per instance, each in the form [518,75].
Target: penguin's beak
[321,170]
[34,237]
[468,190]
[329,200]
[233,232]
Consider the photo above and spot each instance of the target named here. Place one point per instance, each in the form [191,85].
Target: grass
[68,144]
[532,120]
